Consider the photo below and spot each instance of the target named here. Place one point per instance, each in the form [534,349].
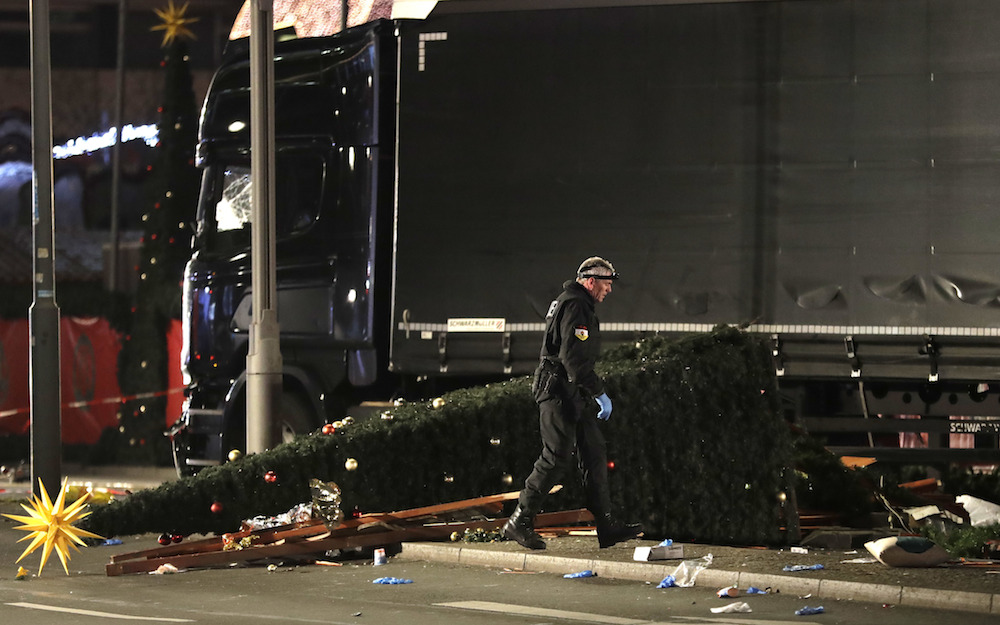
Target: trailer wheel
[295,417]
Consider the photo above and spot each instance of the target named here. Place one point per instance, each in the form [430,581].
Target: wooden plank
[311,547]
[480,506]
[919,455]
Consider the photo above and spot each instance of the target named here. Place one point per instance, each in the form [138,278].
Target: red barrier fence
[89,377]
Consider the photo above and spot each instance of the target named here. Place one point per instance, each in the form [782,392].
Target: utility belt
[551,380]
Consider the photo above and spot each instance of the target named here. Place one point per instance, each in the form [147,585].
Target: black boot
[521,527]
[611,531]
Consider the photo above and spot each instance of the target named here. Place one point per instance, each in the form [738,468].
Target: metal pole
[264,355]
[116,149]
[43,316]
[343,14]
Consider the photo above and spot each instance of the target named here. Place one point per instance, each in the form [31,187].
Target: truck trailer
[823,172]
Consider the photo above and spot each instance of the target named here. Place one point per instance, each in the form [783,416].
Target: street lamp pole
[43,316]
[264,355]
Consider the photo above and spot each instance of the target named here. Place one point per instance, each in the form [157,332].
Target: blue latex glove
[605,402]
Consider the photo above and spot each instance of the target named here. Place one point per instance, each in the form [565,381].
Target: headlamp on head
[589,269]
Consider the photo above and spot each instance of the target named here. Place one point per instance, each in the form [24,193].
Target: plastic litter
[165,569]
[732,608]
[666,543]
[753,590]
[109,542]
[587,573]
[728,591]
[392,580]
[802,567]
[806,611]
[380,557]
[685,574]
[981,512]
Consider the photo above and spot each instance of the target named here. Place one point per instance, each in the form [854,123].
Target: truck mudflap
[196,439]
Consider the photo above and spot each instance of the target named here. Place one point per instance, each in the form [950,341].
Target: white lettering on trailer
[476,324]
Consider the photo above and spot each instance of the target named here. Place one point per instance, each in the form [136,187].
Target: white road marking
[524,610]
[124,617]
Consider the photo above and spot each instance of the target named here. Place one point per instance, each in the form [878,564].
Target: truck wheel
[295,417]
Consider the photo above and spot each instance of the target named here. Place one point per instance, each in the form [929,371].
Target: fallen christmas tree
[698,446]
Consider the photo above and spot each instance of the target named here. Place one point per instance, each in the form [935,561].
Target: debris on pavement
[981,512]
[685,574]
[806,611]
[728,591]
[907,551]
[314,537]
[666,550]
[733,608]
[794,568]
[580,574]
[392,581]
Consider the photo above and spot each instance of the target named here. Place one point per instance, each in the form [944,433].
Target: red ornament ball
[356,513]
[164,539]
[270,477]
[216,507]
[328,429]
[611,465]
[176,538]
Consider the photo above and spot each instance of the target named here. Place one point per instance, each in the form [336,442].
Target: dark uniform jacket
[572,343]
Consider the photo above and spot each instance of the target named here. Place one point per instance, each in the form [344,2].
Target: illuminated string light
[98,141]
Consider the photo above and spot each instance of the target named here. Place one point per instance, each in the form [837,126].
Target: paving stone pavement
[953,586]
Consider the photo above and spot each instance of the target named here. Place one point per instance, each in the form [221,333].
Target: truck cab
[333,183]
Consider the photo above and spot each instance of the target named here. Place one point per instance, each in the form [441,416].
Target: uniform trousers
[565,427]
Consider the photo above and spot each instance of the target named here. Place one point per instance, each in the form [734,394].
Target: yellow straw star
[51,525]
[174,23]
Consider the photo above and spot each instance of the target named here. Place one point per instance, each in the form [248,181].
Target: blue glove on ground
[605,402]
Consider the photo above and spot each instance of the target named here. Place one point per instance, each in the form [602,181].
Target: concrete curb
[978,602]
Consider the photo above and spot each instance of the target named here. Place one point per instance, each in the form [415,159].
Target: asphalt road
[342,595]
[442,591]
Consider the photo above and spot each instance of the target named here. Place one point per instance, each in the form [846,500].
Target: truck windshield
[226,199]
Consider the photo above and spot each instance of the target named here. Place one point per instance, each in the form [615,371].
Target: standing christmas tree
[172,191]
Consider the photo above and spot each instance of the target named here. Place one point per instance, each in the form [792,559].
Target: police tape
[98,402]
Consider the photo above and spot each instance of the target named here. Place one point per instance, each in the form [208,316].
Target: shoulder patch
[581,333]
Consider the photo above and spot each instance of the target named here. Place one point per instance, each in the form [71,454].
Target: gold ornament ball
[338,424]
[438,402]
[507,479]
[235,455]
[348,420]
[495,441]
[351,464]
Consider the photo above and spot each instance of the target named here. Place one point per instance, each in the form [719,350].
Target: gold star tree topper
[51,525]
[174,23]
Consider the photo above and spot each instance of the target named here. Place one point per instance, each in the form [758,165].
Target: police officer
[564,378]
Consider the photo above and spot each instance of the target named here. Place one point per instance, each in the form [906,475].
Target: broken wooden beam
[312,537]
